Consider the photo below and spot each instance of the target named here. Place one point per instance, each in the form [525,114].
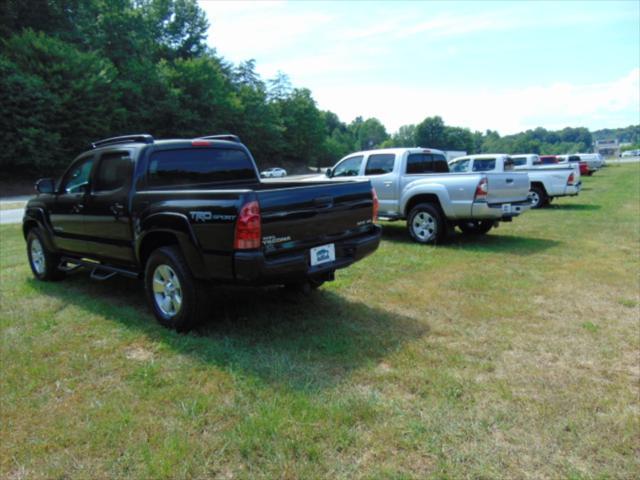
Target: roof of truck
[397,151]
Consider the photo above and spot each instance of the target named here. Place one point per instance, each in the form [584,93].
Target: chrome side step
[99,271]
[100,274]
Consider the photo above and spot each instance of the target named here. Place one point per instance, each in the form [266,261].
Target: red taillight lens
[376,205]
[482,189]
[200,143]
[248,227]
[572,179]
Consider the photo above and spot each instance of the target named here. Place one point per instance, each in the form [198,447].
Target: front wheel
[44,263]
[476,227]
[178,300]
[425,224]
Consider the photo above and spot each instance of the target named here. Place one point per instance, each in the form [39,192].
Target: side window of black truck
[113,172]
[76,180]
[201,166]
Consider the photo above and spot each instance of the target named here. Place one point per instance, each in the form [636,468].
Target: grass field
[515,355]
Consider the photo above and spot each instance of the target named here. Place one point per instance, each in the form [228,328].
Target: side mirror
[45,185]
[329,173]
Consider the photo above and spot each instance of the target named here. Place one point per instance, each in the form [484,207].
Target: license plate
[323,254]
[506,208]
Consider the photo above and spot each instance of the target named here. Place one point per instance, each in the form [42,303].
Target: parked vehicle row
[183,215]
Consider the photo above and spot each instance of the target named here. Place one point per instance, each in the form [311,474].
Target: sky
[505,66]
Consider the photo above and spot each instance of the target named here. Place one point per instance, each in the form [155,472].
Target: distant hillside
[630,134]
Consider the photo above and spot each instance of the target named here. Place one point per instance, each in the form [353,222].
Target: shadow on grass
[573,206]
[492,242]
[278,337]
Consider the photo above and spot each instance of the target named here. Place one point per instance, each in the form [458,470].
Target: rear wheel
[476,227]
[178,300]
[43,262]
[425,224]
[538,197]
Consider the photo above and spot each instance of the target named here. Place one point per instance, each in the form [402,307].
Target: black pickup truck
[187,214]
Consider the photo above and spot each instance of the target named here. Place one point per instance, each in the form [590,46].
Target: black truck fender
[169,228]
[36,217]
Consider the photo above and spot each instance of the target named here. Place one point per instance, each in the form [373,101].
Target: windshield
[458,166]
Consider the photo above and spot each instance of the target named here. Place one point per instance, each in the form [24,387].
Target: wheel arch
[166,229]
[540,184]
[431,198]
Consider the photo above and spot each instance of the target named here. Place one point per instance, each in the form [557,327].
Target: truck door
[379,169]
[106,215]
[67,212]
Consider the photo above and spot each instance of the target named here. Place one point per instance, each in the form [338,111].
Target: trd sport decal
[203,216]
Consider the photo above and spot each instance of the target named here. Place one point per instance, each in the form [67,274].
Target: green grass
[514,355]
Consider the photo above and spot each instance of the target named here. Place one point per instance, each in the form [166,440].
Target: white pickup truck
[594,161]
[415,184]
[547,182]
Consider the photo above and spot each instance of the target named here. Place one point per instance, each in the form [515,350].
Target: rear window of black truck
[198,166]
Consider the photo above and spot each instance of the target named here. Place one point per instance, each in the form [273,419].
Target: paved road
[11,216]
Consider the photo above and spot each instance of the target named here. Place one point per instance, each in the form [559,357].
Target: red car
[584,168]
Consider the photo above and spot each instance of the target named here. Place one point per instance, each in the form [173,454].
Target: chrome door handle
[117,209]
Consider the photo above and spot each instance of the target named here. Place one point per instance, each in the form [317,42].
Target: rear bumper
[498,211]
[573,190]
[254,268]
[567,191]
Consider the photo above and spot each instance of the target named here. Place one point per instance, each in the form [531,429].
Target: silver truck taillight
[482,189]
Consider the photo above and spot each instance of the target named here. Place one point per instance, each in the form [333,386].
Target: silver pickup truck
[415,184]
[547,182]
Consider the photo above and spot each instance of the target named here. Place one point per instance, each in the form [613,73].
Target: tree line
[73,71]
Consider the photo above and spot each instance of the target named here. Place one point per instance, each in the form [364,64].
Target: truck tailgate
[507,187]
[308,214]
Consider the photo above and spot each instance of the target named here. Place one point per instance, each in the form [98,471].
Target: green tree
[303,129]
[431,132]
[369,133]
[54,99]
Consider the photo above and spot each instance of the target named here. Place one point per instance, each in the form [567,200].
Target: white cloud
[244,30]
[343,54]
[595,105]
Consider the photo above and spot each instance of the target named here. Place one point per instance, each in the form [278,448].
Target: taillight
[200,143]
[571,179]
[248,227]
[482,189]
[376,205]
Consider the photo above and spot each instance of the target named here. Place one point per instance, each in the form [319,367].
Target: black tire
[538,197]
[425,224]
[476,227]
[43,262]
[189,294]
